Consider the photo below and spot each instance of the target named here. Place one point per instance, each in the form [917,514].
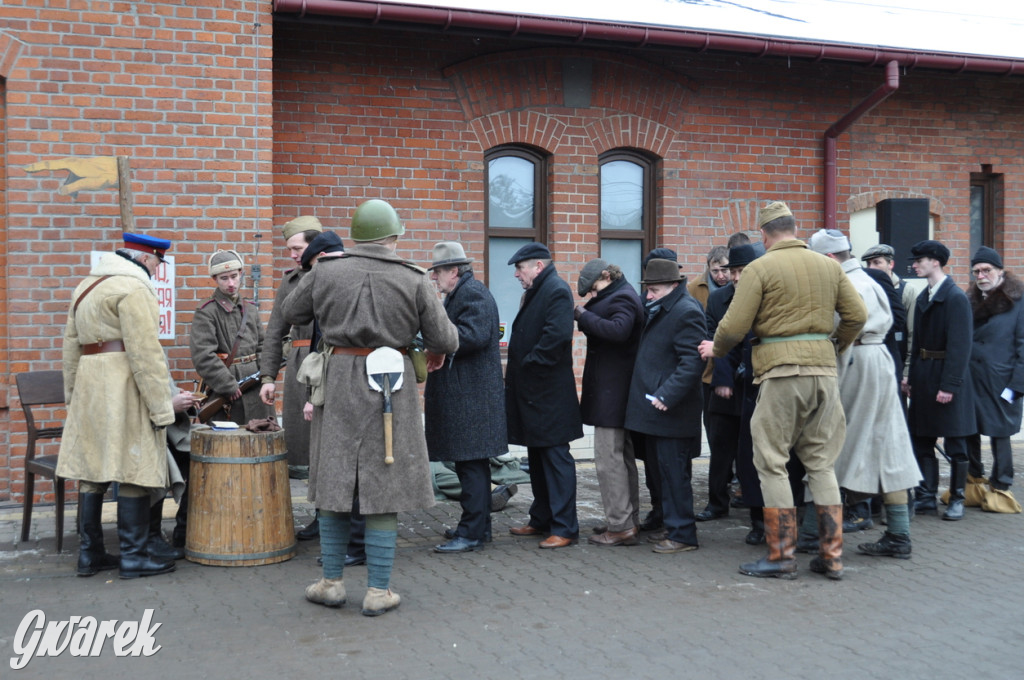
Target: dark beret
[932,249]
[531,251]
[327,242]
[660,254]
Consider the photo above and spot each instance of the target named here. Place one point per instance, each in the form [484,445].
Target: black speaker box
[902,222]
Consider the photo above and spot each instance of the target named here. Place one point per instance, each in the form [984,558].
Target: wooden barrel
[239,500]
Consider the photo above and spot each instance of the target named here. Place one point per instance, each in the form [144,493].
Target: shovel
[384,369]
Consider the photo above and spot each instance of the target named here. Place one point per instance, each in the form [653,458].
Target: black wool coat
[898,330]
[612,322]
[669,367]
[942,324]
[541,403]
[465,398]
[723,370]
[997,356]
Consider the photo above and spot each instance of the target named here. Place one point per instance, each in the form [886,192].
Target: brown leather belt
[929,354]
[301,343]
[358,351]
[238,360]
[102,347]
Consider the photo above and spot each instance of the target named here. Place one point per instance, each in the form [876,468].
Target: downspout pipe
[576,31]
[891,84]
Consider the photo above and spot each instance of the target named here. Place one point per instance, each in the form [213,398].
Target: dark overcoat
[369,298]
[296,428]
[612,321]
[942,324]
[997,356]
[669,367]
[465,398]
[541,403]
[723,370]
[214,328]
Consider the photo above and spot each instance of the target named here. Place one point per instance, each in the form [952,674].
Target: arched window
[627,210]
[515,214]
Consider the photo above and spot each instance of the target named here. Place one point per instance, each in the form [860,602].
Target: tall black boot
[158,546]
[179,534]
[926,501]
[133,532]
[957,484]
[92,554]
[756,535]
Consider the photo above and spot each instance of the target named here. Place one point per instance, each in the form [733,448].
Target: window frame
[647,234]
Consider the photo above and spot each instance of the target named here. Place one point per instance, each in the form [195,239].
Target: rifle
[211,405]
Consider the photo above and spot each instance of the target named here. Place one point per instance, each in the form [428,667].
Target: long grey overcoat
[997,356]
[669,367]
[214,328]
[296,428]
[876,455]
[942,324]
[465,398]
[369,298]
[116,400]
[541,404]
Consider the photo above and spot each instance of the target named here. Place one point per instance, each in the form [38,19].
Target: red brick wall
[408,116]
[184,90]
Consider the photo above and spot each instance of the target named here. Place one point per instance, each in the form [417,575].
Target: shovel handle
[388,443]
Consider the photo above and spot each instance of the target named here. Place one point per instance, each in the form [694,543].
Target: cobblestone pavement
[512,611]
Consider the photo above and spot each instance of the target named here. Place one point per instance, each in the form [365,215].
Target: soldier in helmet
[370,298]
[226,341]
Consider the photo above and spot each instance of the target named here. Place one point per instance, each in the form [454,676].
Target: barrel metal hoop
[239,558]
[238,461]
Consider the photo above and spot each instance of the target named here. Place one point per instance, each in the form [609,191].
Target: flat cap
[301,224]
[987,255]
[326,242]
[880,250]
[448,254]
[932,249]
[828,241]
[742,255]
[772,211]
[590,273]
[225,261]
[531,251]
[146,244]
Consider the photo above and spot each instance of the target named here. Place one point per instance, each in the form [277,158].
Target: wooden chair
[41,389]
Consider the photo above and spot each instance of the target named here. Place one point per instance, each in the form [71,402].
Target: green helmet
[375,219]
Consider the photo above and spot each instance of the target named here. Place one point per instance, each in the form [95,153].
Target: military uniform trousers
[802,413]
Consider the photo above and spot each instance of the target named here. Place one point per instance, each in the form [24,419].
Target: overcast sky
[982,27]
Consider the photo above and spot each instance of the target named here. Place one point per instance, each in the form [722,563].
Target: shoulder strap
[74,309]
[238,336]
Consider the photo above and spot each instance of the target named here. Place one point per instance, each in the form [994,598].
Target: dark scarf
[998,301]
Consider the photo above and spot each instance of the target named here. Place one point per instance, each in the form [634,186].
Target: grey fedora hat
[448,254]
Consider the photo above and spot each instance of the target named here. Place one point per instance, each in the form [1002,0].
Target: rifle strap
[74,309]
[238,336]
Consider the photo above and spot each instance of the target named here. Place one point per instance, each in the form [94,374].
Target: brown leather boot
[780,534]
[830,534]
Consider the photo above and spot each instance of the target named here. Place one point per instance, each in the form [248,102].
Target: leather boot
[180,523]
[780,534]
[890,545]
[830,537]
[957,483]
[133,532]
[311,530]
[92,554]
[858,517]
[158,546]
[926,502]
[756,534]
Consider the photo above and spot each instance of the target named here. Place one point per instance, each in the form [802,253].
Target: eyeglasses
[986,271]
